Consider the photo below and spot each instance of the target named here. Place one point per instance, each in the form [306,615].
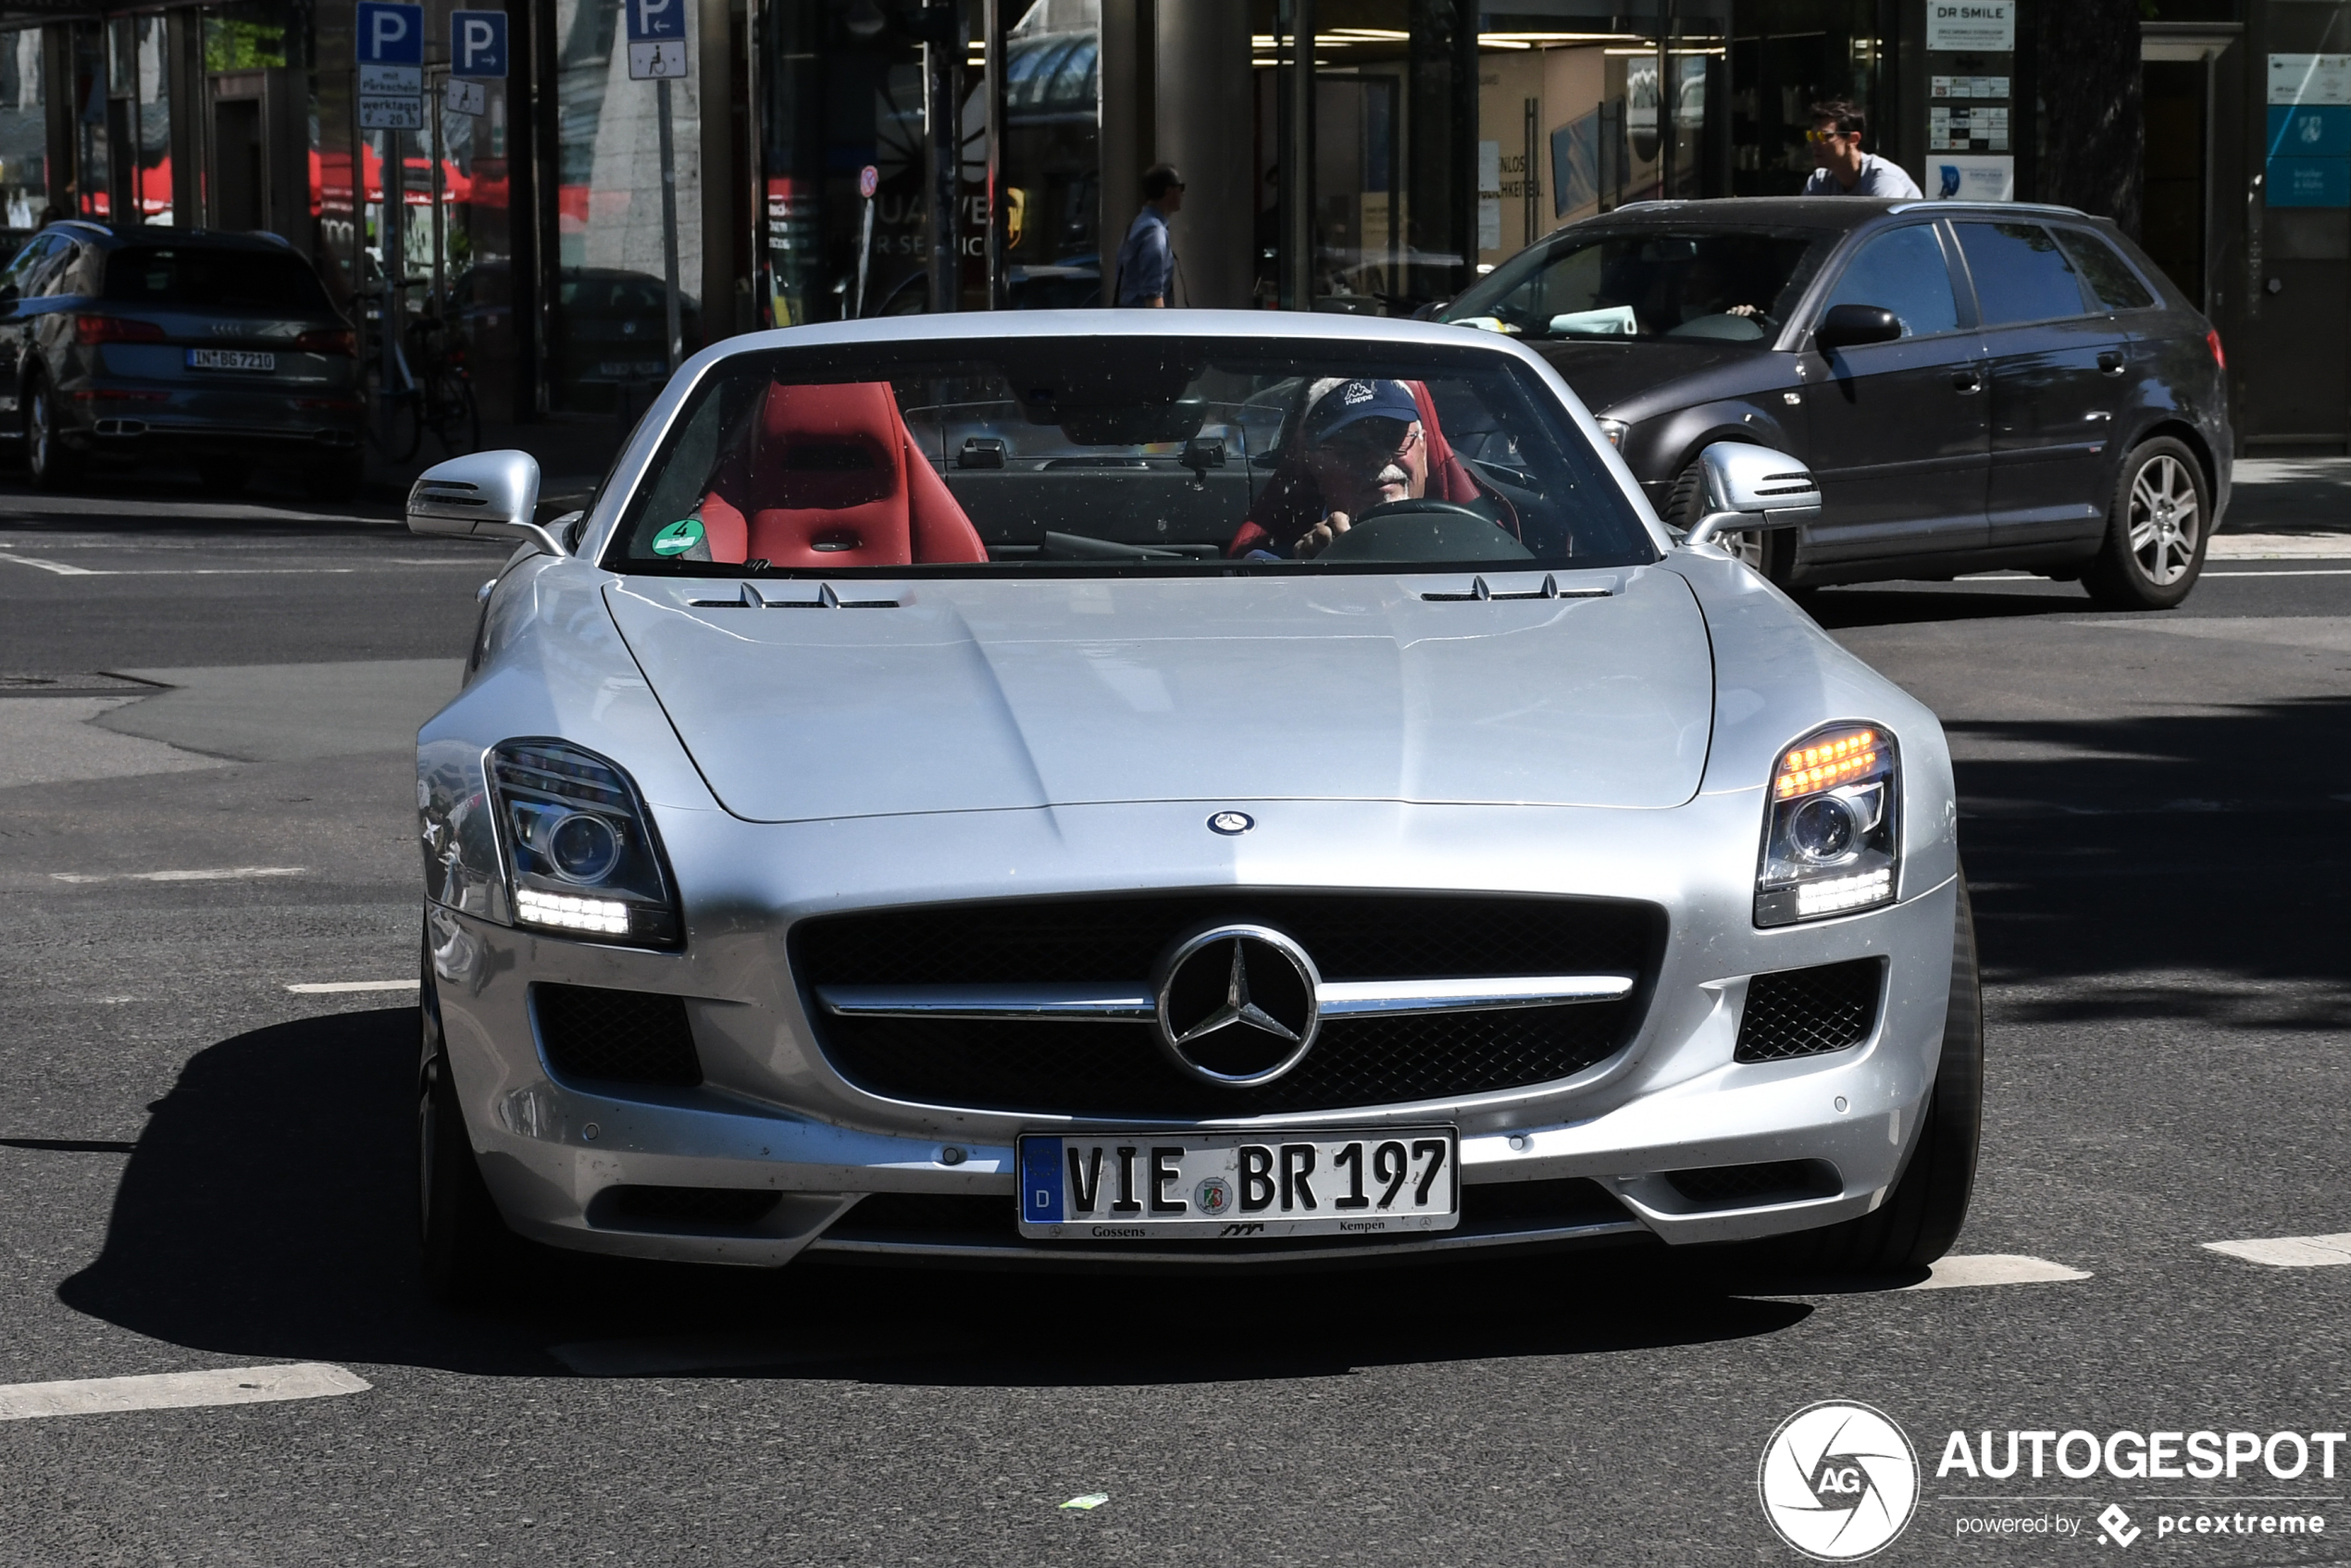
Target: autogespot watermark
[1840,1481]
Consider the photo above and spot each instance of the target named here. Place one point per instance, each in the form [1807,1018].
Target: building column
[1125,140]
[1205,94]
[184,77]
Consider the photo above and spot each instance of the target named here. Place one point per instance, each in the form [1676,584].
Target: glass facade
[24,130]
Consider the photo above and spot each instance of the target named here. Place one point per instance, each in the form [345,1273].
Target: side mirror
[486,496]
[1752,487]
[1849,326]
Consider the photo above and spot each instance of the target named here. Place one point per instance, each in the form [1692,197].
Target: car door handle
[2110,364]
[1965,381]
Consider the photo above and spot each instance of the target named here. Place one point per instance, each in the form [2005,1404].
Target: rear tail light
[90,329]
[329,339]
[2212,341]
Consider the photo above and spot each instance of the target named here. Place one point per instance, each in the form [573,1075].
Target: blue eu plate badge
[1040,1180]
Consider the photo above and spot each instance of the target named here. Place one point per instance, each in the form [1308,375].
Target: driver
[1365,446]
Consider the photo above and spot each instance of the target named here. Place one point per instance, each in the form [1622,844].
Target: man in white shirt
[1843,169]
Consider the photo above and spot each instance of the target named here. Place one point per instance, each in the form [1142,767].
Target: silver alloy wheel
[2166,520]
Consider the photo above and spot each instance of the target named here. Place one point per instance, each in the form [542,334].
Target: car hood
[971,695]
[1608,375]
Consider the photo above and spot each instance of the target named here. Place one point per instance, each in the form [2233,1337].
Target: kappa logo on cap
[1355,393]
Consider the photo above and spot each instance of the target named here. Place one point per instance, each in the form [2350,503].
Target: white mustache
[1393,474]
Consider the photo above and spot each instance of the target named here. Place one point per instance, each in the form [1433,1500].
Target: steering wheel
[1423,504]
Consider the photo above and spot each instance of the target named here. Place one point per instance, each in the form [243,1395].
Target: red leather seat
[833,479]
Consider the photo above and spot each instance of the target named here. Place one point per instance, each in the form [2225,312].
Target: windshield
[1724,285]
[1122,455]
[215,276]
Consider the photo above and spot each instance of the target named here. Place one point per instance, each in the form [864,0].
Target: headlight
[1614,429]
[1832,843]
[580,845]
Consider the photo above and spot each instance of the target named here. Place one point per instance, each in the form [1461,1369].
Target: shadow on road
[266,1213]
[2152,846]
[1918,603]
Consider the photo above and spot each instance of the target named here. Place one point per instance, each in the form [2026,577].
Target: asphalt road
[204,799]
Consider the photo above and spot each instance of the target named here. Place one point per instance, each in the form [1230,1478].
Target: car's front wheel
[2158,528]
[45,456]
[467,1250]
[1921,1218]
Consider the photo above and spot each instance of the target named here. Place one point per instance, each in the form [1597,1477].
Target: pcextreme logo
[1839,1481]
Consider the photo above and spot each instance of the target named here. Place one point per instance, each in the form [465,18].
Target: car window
[48,260]
[209,277]
[1112,455]
[1903,270]
[2019,273]
[1725,285]
[2111,277]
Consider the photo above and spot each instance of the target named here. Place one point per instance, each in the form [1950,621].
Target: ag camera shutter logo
[1839,1481]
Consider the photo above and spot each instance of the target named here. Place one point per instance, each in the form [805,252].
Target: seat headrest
[826,446]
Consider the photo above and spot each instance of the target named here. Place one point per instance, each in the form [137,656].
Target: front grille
[615,1036]
[1113,1070]
[1805,1011]
[714,1211]
[1748,1186]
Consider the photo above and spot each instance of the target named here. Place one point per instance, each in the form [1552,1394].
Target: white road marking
[177,1390]
[1995,1268]
[2290,571]
[336,988]
[223,874]
[2279,547]
[2289,1252]
[57,566]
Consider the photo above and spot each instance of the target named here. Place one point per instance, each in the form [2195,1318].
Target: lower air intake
[1806,1012]
[673,1211]
[614,1036]
[1752,1187]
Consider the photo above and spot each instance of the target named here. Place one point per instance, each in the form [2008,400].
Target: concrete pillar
[1124,129]
[1206,119]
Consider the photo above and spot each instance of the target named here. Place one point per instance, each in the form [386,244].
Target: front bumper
[772,1116]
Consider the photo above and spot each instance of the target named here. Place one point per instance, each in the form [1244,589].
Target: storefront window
[1787,55]
[476,241]
[88,187]
[139,119]
[608,316]
[24,132]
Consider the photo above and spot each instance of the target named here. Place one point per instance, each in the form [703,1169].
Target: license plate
[632,367]
[1127,1186]
[230,359]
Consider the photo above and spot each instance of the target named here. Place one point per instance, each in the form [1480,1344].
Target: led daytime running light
[1832,761]
[566,912]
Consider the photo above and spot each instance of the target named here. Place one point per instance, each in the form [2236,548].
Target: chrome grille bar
[1133,1003]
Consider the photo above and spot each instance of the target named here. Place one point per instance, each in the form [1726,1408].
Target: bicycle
[426,386]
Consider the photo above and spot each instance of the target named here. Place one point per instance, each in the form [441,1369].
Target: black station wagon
[1976,386]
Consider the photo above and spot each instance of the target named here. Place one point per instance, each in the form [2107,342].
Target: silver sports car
[1180,788]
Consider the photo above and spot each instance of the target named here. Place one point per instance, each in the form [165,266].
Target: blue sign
[2309,130]
[477,45]
[654,20]
[2309,182]
[389,34]
[1040,1172]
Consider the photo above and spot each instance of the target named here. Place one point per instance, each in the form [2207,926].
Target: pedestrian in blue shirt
[1147,261]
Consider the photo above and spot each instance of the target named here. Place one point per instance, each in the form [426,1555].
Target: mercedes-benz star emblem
[1231,822]
[1237,1005]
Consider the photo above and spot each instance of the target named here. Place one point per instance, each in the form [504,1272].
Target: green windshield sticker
[678,537]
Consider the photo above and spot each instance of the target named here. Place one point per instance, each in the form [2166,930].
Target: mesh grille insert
[680,1209]
[1742,1187]
[615,1036]
[1116,1070]
[1805,1011]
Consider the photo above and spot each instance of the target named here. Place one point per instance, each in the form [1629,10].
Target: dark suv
[177,345]
[1977,386]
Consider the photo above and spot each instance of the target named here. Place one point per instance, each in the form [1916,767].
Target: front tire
[467,1250]
[2159,524]
[46,459]
[1922,1218]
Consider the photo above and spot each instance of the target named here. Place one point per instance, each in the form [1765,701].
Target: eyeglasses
[1817,137]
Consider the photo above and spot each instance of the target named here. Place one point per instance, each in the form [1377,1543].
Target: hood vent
[1551,589]
[751,598]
